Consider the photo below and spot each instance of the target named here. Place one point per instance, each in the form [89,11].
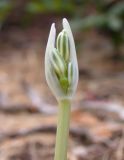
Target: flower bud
[63,45]
[61,68]
[58,62]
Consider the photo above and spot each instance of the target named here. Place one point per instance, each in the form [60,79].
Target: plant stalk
[62,130]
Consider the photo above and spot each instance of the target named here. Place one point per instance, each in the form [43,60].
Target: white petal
[51,38]
[50,45]
[73,55]
[51,78]
[66,26]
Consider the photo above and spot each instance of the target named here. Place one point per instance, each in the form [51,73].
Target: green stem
[62,130]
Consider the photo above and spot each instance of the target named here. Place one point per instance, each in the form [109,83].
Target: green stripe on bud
[63,45]
[58,63]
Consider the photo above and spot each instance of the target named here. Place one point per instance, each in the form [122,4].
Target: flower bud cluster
[61,67]
[60,61]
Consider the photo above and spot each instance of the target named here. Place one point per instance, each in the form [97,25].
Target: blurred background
[27,107]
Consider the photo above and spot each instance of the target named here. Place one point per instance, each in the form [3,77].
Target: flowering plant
[61,70]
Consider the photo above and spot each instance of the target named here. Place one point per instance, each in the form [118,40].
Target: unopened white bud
[61,68]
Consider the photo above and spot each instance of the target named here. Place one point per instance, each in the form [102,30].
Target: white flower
[61,68]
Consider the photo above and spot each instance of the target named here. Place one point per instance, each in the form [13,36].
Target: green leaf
[35,7]
[117,9]
[89,22]
[115,23]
